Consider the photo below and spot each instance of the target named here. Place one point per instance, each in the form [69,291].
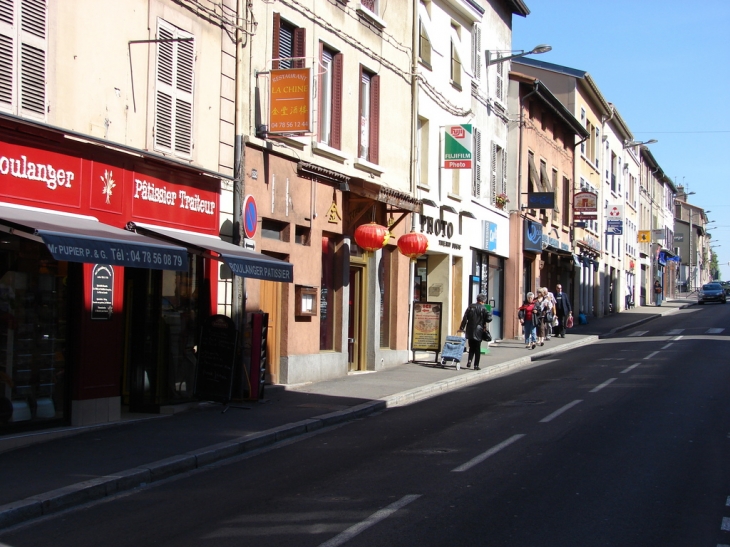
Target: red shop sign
[39,175]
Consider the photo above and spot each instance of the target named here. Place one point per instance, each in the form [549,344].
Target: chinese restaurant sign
[290,100]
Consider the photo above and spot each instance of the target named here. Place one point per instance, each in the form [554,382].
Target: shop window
[421,281]
[327,320]
[273,229]
[173,131]
[289,44]
[33,334]
[385,282]
[23,48]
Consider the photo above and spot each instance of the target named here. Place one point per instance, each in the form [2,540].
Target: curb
[86,491]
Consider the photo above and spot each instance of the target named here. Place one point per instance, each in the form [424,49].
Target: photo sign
[457,146]
[426,332]
[290,100]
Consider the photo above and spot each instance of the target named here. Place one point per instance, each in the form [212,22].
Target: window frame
[329,127]
[369,126]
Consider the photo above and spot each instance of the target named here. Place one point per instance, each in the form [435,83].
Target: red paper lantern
[412,245]
[371,237]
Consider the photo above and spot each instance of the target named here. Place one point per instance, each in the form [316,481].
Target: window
[368,140]
[566,202]
[583,121]
[23,57]
[289,45]
[273,229]
[330,98]
[370,5]
[327,296]
[556,190]
[476,187]
[614,170]
[476,52]
[590,150]
[499,87]
[385,282]
[498,179]
[173,131]
[424,45]
[455,59]
[423,151]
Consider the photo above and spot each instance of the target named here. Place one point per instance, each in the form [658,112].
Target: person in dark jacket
[473,324]
[563,309]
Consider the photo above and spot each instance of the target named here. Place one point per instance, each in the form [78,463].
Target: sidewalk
[48,471]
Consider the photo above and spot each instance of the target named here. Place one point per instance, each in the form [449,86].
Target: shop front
[94,316]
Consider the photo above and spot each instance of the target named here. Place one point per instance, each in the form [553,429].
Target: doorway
[271,304]
[356,320]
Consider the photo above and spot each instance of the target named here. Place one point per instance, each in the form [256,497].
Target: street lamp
[542,48]
[630,144]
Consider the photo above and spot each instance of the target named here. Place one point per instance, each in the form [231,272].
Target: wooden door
[271,304]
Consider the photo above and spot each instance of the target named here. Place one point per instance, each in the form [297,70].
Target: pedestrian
[550,315]
[541,313]
[658,292]
[563,309]
[528,320]
[473,325]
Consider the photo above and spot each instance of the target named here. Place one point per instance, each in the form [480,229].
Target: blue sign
[533,236]
[490,236]
[614,226]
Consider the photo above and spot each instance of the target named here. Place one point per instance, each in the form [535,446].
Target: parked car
[711,292]
[726,286]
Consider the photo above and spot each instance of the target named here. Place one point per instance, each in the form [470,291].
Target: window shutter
[359,111]
[174,92]
[7,52]
[374,155]
[477,52]
[275,41]
[493,177]
[476,189]
[336,129]
[500,82]
[300,47]
[504,171]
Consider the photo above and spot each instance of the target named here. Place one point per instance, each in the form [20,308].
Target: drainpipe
[414,156]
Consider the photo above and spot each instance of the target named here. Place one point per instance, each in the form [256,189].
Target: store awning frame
[77,238]
[242,262]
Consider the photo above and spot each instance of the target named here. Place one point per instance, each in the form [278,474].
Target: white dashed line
[639,333]
[725,524]
[678,338]
[668,345]
[558,412]
[604,384]
[650,355]
[714,331]
[727,502]
[675,331]
[373,519]
[491,452]
[632,367]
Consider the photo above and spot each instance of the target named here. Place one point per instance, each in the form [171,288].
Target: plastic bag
[569,322]
[556,321]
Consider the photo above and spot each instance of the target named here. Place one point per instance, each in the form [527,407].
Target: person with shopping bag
[564,311]
[474,327]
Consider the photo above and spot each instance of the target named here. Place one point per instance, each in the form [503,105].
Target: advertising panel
[457,146]
[426,330]
[290,100]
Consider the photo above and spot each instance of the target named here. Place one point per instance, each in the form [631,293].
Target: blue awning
[242,262]
[76,238]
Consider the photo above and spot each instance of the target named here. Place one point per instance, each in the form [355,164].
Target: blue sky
[664,64]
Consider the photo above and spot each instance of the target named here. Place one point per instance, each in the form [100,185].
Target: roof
[580,75]
[519,7]
[547,97]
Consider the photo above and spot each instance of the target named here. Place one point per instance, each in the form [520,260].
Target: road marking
[373,519]
[558,412]
[727,502]
[639,333]
[650,355]
[714,331]
[675,331]
[668,345]
[491,452]
[604,384]
[678,338]
[632,367]
[725,524]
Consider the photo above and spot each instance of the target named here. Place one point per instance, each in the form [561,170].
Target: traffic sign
[250,216]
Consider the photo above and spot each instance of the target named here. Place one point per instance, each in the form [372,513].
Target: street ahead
[625,442]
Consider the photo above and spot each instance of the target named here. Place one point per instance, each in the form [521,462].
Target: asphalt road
[621,443]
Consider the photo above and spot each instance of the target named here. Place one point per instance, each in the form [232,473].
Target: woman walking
[474,324]
[528,320]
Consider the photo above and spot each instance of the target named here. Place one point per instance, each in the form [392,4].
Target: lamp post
[542,48]
[690,276]
[631,144]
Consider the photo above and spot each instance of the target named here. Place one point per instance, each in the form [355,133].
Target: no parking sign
[250,216]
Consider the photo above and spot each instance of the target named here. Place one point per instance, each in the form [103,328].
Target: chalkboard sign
[216,356]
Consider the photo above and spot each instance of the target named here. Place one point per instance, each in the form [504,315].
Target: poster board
[216,356]
[426,331]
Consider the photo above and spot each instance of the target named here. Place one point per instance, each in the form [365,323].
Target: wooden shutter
[275,41]
[174,92]
[476,189]
[300,47]
[374,155]
[359,112]
[336,129]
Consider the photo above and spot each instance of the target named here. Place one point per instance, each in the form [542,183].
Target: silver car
[711,292]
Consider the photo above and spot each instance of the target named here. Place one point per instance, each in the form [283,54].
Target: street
[621,442]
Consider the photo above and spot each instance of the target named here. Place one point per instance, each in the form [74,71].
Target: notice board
[216,358]
[426,331]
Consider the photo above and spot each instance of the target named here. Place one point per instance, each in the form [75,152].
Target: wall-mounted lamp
[429,202]
[542,48]
[467,214]
[631,144]
[448,208]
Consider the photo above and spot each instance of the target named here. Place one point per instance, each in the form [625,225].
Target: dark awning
[243,262]
[75,238]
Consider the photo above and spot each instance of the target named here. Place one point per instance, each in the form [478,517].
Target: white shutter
[500,82]
[7,53]
[476,55]
[493,177]
[503,190]
[174,92]
[476,189]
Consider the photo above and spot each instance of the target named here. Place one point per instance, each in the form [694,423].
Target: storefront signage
[158,200]
[260,269]
[437,227]
[102,292]
[39,175]
[591,242]
[457,146]
[290,98]
[541,200]
[658,235]
[489,229]
[551,241]
[644,236]
[678,238]
[533,236]
[426,331]
[216,354]
[585,202]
